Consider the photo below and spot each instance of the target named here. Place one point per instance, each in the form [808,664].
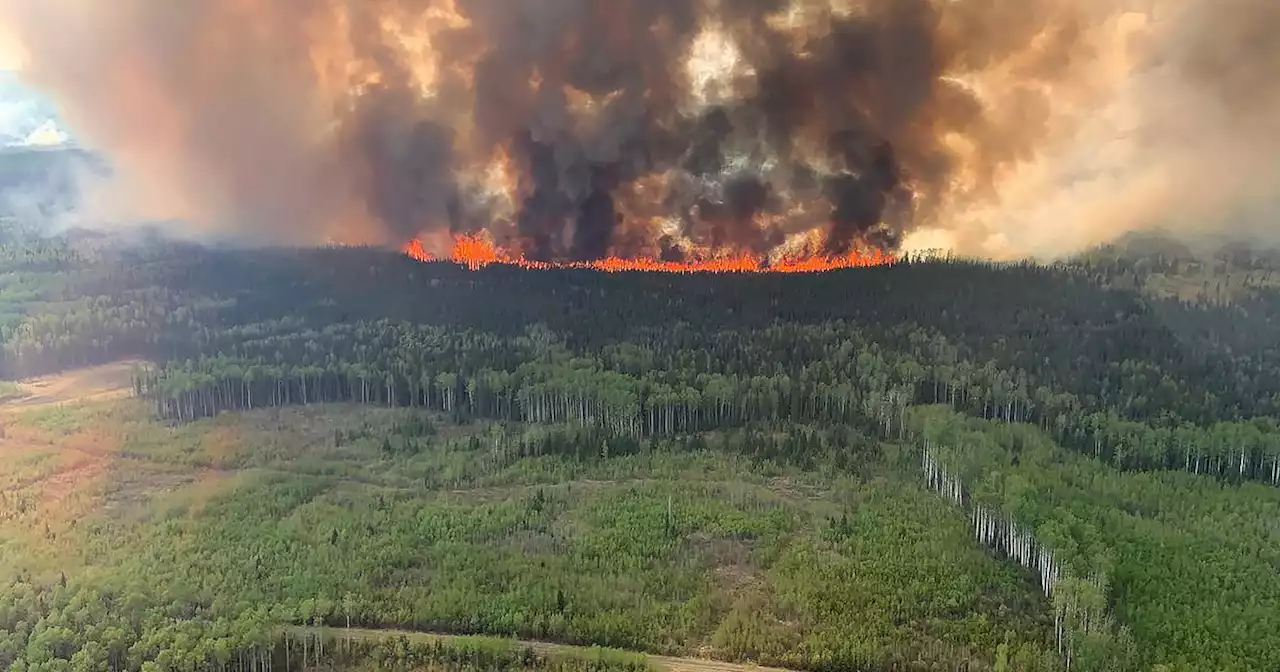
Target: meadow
[354,517]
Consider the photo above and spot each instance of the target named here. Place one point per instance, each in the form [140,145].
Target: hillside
[1203,270]
[929,465]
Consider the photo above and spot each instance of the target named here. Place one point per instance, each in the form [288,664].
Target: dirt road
[673,664]
[94,383]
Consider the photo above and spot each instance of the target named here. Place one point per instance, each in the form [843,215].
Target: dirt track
[94,383]
[670,663]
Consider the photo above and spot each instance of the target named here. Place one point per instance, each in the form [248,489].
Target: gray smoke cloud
[573,129]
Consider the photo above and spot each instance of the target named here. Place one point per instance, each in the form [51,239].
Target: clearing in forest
[94,383]
[406,518]
[60,438]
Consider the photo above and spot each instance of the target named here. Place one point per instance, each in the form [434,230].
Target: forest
[934,464]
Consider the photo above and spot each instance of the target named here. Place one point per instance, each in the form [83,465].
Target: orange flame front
[475,252]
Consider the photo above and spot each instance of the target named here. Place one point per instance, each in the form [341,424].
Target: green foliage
[663,550]
[1190,564]
[9,391]
[736,463]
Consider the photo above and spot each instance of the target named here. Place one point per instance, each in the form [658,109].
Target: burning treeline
[569,130]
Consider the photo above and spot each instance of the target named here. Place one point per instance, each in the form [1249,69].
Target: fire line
[474,252]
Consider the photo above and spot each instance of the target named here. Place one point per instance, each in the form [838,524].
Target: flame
[475,252]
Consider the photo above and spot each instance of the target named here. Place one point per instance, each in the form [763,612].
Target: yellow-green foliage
[302,516]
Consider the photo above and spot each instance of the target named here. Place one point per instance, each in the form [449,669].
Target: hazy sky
[11,55]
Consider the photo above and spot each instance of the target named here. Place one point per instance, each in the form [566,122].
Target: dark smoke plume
[572,129]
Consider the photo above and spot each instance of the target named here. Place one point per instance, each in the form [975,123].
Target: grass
[10,391]
[668,552]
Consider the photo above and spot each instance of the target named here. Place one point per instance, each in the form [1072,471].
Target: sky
[26,116]
[11,54]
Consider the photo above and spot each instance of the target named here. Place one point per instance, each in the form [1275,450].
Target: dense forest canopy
[1075,418]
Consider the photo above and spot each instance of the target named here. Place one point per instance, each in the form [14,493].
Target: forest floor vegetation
[401,519]
[94,383]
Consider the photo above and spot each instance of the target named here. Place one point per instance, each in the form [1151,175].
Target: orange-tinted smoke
[1174,124]
[590,129]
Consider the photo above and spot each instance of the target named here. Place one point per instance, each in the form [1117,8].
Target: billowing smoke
[575,129]
[1180,132]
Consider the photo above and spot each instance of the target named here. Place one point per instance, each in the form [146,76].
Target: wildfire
[475,252]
